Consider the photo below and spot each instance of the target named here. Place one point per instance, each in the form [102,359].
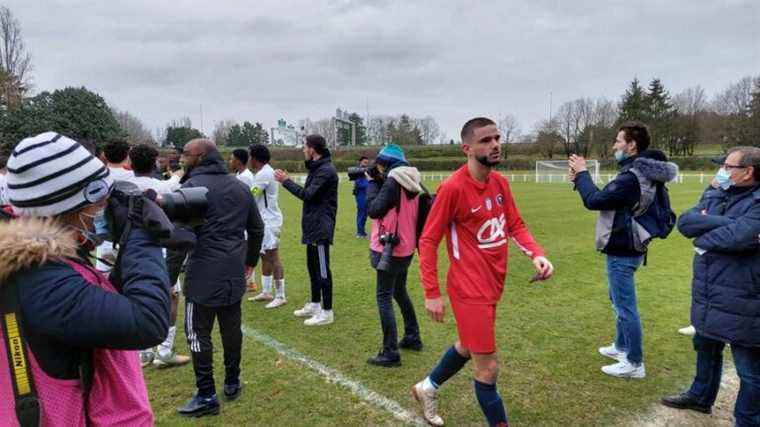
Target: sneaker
[146,357]
[276,302]
[429,404]
[625,369]
[232,391]
[323,317]
[264,296]
[172,360]
[200,406]
[685,401]
[309,309]
[612,352]
[689,331]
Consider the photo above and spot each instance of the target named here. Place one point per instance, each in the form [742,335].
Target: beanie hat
[390,155]
[50,174]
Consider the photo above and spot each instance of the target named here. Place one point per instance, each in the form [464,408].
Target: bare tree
[15,61]
[222,131]
[136,131]
[691,101]
[735,98]
[548,137]
[605,113]
[429,129]
[509,128]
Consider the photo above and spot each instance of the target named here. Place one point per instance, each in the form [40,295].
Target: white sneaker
[429,403]
[625,369]
[146,357]
[323,317]
[309,309]
[689,331]
[276,302]
[264,296]
[612,352]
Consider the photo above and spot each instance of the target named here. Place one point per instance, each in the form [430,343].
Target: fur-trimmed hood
[407,177]
[656,170]
[28,241]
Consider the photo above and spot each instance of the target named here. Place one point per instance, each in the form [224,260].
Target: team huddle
[474,209]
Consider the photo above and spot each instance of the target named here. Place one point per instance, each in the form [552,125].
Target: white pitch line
[332,375]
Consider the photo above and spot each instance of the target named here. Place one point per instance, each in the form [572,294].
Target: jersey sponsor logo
[473,210]
[489,204]
[492,233]
[499,199]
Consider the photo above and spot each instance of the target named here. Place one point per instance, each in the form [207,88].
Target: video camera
[356,172]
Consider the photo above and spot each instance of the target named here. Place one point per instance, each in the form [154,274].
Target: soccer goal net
[555,171]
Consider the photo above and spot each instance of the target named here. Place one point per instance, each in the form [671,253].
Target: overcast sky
[261,60]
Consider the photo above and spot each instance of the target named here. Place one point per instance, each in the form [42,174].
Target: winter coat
[401,189]
[320,201]
[216,267]
[69,311]
[617,200]
[725,295]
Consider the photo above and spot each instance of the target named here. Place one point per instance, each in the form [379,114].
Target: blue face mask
[723,177]
[101,224]
[620,155]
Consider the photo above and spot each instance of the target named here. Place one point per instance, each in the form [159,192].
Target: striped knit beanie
[50,174]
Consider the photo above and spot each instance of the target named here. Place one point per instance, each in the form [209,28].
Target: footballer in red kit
[475,210]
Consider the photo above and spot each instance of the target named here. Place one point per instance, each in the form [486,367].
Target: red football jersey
[478,220]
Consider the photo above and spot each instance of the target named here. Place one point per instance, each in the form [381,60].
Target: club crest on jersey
[492,234]
[489,205]
[499,199]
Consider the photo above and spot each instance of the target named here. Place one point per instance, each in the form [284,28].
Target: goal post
[555,171]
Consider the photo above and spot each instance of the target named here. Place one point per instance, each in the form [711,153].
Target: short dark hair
[3,161]
[116,150]
[317,142]
[260,152]
[241,155]
[363,158]
[472,124]
[143,157]
[750,157]
[635,130]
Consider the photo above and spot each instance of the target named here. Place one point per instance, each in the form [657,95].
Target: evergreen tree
[361,130]
[660,114]
[753,121]
[633,105]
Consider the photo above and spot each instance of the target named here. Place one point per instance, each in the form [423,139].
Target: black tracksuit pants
[318,262]
[199,322]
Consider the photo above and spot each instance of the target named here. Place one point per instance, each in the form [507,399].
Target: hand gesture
[544,268]
[435,308]
[281,176]
[577,163]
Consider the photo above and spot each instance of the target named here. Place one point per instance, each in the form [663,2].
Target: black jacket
[320,201]
[216,267]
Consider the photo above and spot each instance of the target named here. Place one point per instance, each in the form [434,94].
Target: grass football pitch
[547,333]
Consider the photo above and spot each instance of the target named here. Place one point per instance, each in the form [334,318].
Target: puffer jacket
[725,296]
[320,201]
[68,309]
[216,267]
[616,201]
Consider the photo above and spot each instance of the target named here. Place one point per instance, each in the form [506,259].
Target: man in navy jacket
[725,296]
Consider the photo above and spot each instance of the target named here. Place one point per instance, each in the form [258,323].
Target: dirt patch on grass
[722,411]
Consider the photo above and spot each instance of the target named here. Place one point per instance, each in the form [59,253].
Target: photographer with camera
[360,195]
[393,204]
[217,272]
[69,333]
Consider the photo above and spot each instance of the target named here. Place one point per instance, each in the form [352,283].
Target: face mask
[95,238]
[723,177]
[621,155]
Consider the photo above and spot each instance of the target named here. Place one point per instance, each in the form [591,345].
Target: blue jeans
[622,290]
[361,215]
[710,368]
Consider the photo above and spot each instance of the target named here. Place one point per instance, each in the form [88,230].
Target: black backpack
[425,204]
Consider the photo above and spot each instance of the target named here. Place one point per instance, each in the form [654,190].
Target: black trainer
[384,360]
[199,406]
[685,401]
[410,344]
[232,391]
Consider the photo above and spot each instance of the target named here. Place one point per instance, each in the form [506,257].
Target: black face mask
[483,160]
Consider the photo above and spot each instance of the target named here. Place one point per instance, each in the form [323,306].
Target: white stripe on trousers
[322,261]
[195,345]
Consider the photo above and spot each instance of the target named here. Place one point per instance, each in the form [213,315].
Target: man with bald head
[217,270]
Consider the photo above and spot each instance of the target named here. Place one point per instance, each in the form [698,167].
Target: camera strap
[27,404]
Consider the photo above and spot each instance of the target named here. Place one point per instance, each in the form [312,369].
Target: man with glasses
[725,296]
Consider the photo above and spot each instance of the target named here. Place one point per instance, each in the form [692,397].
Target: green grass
[547,333]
